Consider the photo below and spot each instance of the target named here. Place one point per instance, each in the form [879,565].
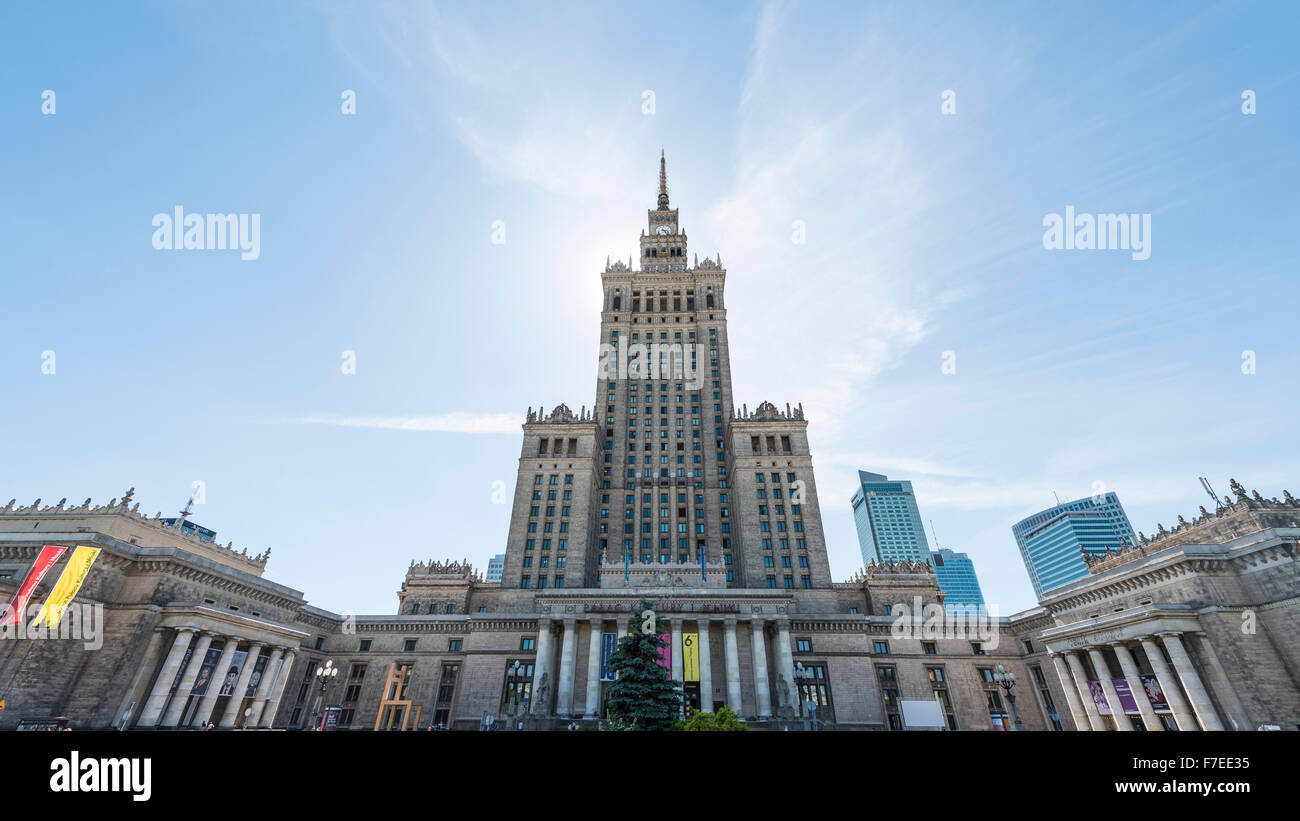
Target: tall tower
[657,459]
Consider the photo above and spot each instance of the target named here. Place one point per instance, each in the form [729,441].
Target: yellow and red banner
[16,609]
[65,589]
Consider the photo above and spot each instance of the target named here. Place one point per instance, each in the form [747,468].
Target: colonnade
[166,709]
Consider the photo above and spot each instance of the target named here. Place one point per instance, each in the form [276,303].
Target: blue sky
[923,235]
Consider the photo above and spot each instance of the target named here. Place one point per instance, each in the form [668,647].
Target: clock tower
[663,249]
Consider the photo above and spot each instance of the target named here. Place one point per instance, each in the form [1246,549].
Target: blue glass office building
[888,521]
[956,576]
[1050,541]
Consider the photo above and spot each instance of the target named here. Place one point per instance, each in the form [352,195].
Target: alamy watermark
[179,231]
[1100,232]
[78,621]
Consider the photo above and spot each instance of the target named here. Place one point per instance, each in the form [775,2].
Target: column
[1222,686]
[231,715]
[676,650]
[706,667]
[1168,685]
[126,711]
[269,675]
[282,679]
[162,685]
[762,689]
[1085,694]
[785,685]
[733,667]
[543,661]
[1134,679]
[1071,694]
[564,689]
[593,671]
[204,712]
[1196,692]
[172,716]
[1108,687]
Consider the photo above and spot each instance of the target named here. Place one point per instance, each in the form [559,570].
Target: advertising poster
[1126,700]
[180,671]
[1099,698]
[608,643]
[204,677]
[258,670]
[232,673]
[1155,694]
[666,652]
[690,657]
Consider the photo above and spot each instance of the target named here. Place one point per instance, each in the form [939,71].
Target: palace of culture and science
[665,490]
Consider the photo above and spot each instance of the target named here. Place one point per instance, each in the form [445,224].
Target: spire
[663,182]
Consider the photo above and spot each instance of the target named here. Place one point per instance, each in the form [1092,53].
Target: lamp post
[803,677]
[516,675]
[324,675]
[1007,680]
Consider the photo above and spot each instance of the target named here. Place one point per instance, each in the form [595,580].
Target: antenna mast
[1218,505]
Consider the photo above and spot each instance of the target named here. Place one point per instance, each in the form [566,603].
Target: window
[453,645]
[929,648]
[409,646]
[939,686]
[880,648]
[803,645]
[977,648]
[365,646]
[889,696]
[527,643]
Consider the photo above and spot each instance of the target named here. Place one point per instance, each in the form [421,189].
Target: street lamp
[324,675]
[1007,680]
[803,677]
[516,675]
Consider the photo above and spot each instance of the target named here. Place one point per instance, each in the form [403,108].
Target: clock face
[663,230]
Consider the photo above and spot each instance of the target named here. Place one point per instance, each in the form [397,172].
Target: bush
[725,720]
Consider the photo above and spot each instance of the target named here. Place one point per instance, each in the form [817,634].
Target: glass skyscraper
[956,576]
[888,521]
[1051,541]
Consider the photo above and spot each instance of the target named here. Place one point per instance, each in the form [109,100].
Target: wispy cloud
[456,422]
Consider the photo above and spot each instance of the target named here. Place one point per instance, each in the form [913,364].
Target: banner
[666,652]
[608,643]
[1154,694]
[1125,694]
[1099,698]
[180,671]
[14,612]
[690,657]
[70,581]
[258,670]
[236,664]
[204,677]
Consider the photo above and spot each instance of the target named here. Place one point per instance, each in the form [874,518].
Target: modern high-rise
[888,520]
[495,565]
[1052,541]
[955,573]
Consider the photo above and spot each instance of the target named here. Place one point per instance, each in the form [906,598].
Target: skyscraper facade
[495,565]
[1052,541]
[664,469]
[888,520]
[955,573]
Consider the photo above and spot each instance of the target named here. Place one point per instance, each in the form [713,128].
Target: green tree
[723,720]
[643,696]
